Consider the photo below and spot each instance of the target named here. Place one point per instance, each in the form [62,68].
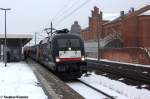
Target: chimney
[132,9]
[90,23]
[101,16]
[121,13]
[92,13]
[96,9]
[129,12]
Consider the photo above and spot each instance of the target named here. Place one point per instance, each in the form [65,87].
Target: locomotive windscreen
[69,48]
[65,43]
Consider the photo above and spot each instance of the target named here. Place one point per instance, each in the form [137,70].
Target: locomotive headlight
[83,58]
[57,59]
[69,48]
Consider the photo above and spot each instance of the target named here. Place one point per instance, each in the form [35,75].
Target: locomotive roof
[55,36]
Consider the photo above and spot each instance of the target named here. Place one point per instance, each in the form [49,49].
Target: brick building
[129,30]
[95,26]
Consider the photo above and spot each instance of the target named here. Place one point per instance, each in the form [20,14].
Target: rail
[138,73]
[100,91]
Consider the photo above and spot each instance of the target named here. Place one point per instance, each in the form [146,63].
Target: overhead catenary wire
[66,10]
[38,37]
[59,14]
[61,10]
[72,12]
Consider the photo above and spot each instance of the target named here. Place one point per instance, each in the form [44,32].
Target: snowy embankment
[107,85]
[106,60]
[18,80]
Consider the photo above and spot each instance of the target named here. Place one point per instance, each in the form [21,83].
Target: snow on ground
[85,91]
[108,85]
[17,79]
[106,60]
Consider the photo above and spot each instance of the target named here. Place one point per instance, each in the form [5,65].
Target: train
[63,53]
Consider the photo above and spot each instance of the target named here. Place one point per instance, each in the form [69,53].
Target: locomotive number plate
[69,54]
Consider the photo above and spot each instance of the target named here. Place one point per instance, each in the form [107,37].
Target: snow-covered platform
[18,80]
[52,85]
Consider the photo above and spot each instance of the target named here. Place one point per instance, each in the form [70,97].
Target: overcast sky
[29,16]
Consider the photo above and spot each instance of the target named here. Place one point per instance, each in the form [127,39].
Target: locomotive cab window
[65,43]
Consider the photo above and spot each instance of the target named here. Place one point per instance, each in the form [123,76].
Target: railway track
[98,90]
[48,76]
[135,73]
[88,91]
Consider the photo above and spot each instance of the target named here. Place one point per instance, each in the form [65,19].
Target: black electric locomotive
[63,53]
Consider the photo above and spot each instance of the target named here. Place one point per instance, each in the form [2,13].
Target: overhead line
[41,31]
[59,14]
[66,10]
[68,15]
[64,6]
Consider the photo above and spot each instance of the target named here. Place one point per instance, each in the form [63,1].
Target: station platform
[14,43]
[30,80]
[17,81]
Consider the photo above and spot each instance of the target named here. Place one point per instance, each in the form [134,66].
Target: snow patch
[116,88]
[17,79]
[106,60]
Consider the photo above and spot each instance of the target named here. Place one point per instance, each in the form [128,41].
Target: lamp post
[98,41]
[5,53]
[35,37]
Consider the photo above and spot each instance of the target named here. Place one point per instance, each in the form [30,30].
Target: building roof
[19,36]
[141,11]
[13,38]
[146,13]
[87,28]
